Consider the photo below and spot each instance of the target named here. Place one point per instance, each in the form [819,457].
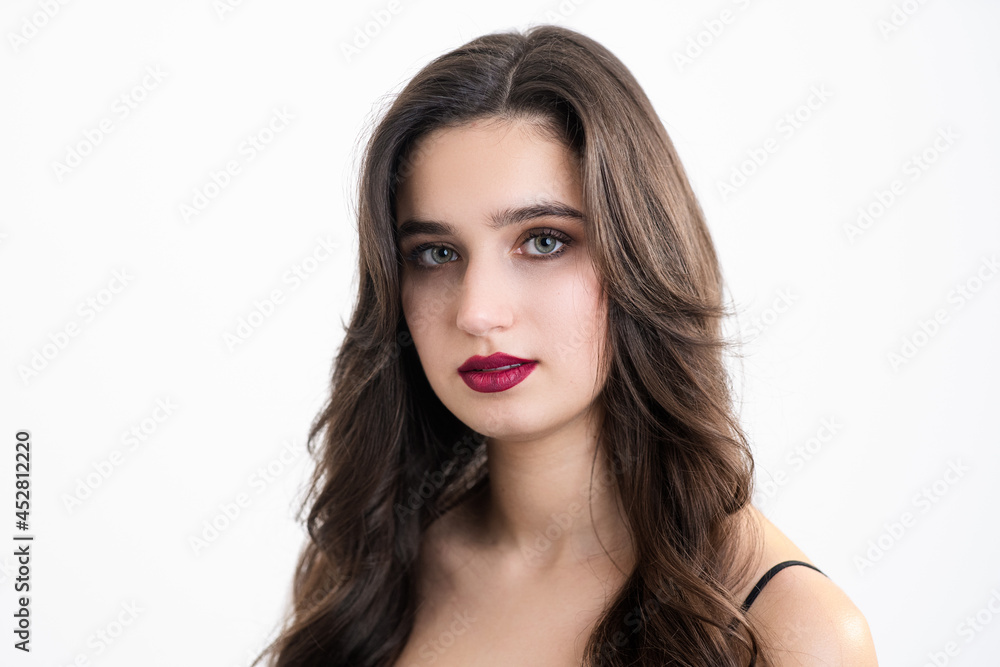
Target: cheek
[574,319]
[407,300]
[413,300]
[424,311]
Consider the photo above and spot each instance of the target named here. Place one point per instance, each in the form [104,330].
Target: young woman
[530,454]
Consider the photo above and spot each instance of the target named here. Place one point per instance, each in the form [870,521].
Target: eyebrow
[498,220]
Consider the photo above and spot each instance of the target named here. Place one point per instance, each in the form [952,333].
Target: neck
[544,508]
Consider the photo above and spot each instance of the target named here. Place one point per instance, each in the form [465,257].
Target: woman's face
[471,287]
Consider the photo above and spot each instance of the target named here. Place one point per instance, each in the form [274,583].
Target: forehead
[463,172]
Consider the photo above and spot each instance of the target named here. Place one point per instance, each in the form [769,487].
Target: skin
[542,433]
[519,575]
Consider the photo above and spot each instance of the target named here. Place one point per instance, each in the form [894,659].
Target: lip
[495,360]
[477,374]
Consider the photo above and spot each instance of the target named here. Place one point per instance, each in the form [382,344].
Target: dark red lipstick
[481,373]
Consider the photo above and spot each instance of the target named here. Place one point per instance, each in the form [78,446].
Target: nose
[485,300]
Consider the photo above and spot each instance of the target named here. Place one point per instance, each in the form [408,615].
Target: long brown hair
[391,458]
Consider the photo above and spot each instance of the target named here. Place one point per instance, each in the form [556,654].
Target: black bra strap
[769,575]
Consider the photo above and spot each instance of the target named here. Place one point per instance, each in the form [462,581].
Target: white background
[831,309]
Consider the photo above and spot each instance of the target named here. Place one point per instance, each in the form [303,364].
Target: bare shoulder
[805,617]
[809,620]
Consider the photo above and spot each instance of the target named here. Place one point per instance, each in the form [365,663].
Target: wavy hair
[390,458]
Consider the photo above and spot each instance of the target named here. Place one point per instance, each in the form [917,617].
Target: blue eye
[443,254]
[552,240]
[446,254]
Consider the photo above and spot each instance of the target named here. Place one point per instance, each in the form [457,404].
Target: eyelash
[566,241]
